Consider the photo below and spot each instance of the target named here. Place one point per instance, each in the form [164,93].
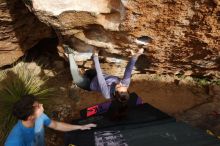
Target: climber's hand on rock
[132,52]
[95,52]
[138,53]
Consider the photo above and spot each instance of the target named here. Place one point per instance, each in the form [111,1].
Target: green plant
[13,84]
[28,2]
[202,81]
[217,82]
[180,76]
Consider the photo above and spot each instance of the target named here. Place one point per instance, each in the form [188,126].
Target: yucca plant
[13,84]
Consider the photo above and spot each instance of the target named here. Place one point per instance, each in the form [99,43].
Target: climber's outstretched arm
[101,80]
[128,70]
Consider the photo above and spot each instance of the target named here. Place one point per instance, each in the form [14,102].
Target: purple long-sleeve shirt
[103,83]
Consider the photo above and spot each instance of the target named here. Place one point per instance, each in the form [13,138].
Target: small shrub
[202,81]
[15,83]
[27,2]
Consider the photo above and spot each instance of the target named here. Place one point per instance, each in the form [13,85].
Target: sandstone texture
[20,30]
[184,35]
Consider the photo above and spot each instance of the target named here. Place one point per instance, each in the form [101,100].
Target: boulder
[184,34]
[20,30]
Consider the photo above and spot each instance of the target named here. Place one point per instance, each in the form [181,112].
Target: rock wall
[19,31]
[185,34]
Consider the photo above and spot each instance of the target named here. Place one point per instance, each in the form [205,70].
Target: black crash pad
[144,125]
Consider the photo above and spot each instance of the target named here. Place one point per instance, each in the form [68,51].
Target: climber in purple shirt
[110,86]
